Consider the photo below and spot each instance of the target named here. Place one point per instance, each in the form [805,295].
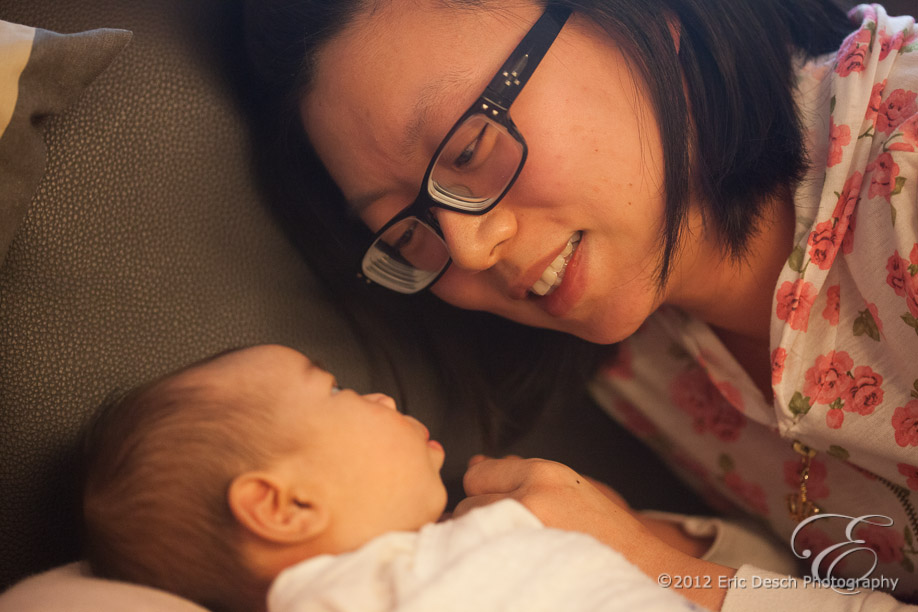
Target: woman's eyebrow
[432,96]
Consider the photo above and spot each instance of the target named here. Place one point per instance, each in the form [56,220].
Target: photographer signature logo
[837,552]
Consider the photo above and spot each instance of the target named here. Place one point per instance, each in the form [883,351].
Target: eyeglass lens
[475,165]
[474,168]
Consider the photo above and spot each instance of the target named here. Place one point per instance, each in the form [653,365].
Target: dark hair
[733,141]
[157,464]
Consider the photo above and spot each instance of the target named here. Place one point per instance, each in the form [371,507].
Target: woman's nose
[474,240]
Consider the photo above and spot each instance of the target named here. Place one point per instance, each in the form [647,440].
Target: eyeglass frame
[494,103]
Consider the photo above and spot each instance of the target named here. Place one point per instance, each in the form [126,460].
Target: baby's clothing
[495,558]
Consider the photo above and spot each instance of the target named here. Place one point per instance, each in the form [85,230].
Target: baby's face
[375,468]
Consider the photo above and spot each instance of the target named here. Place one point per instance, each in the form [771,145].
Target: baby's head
[211,480]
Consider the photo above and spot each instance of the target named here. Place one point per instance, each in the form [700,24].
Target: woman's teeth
[554,273]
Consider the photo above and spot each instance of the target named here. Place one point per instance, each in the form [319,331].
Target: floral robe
[844,332]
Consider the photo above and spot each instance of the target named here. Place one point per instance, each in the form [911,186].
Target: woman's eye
[405,239]
[467,156]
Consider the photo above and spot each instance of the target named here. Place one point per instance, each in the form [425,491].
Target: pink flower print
[889,43]
[910,472]
[887,542]
[635,421]
[911,295]
[864,394]
[830,313]
[815,540]
[619,366]
[876,100]
[876,315]
[908,130]
[794,303]
[905,422]
[844,214]
[815,484]
[749,493]
[899,106]
[839,137]
[822,241]
[777,364]
[731,394]
[883,179]
[693,392]
[828,380]
[848,198]
[834,418]
[896,266]
[852,53]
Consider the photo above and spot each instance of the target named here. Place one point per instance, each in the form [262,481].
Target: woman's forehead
[404,69]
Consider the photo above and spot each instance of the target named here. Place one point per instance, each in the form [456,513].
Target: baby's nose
[383,399]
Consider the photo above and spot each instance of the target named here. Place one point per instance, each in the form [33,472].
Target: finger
[470,503]
[499,475]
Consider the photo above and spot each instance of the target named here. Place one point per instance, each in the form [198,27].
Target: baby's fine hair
[158,462]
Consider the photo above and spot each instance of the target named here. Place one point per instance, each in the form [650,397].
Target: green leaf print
[799,405]
[892,212]
[795,261]
[866,325]
[915,386]
[900,183]
[913,269]
[911,321]
[832,105]
[838,452]
[725,463]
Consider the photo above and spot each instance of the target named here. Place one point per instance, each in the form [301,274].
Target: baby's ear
[266,506]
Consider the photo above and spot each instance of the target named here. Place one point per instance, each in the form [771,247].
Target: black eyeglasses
[472,169]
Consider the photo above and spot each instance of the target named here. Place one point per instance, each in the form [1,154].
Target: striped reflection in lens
[407,257]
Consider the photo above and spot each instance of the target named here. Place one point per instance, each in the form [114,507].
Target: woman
[724,187]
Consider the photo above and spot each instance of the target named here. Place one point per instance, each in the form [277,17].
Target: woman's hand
[556,494]
[563,499]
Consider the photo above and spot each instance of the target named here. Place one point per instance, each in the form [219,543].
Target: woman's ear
[267,507]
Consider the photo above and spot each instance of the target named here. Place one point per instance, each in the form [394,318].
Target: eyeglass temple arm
[513,75]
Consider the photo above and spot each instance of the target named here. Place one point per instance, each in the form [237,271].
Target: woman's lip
[560,301]
[522,291]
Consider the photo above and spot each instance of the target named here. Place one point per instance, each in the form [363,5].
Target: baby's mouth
[554,273]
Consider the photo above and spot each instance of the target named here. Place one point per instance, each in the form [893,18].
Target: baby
[214,480]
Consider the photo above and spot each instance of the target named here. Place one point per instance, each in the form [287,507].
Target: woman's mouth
[553,275]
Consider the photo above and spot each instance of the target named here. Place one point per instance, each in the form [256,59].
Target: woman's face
[393,83]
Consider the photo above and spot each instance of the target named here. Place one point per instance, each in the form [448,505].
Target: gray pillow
[41,73]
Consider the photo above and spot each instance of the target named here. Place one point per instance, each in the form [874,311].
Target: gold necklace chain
[799,505]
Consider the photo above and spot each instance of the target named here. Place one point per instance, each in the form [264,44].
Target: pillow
[41,73]
[70,588]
